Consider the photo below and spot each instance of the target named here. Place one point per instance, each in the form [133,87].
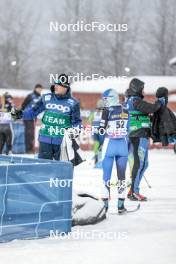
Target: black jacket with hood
[164,120]
[135,101]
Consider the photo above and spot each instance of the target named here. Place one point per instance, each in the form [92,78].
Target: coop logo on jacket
[62,108]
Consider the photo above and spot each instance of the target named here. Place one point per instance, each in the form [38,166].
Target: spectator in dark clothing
[6,131]
[164,121]
[29,125]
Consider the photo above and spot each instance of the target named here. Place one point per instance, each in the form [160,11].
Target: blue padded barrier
[31,203]
[18,142]
[18,138]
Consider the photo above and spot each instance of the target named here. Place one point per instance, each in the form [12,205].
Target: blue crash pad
[35,197]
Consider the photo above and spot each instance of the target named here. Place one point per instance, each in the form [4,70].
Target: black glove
[52,88]
[16,113]
[73,132]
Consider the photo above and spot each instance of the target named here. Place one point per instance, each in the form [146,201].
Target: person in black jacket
[29,125]
[139,134]
[164,121]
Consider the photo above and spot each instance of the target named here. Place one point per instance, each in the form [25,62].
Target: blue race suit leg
[121,163]
[107,163]
[118,149]
[143,162]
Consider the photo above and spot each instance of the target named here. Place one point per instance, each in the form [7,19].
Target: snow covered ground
[147,236]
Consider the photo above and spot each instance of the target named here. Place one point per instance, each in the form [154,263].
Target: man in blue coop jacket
[61,111]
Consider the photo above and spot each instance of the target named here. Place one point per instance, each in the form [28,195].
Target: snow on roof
[121,84]
[172,98]
[18,92]
[99,86]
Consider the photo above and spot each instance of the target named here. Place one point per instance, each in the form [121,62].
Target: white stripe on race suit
[105,146]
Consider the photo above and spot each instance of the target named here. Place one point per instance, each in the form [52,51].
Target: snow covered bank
[145,237]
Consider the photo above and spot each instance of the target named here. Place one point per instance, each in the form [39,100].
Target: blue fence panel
[18,142]
[18,138]
[31,206]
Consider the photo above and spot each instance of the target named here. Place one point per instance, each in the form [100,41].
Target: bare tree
[64,54]
[162,36]
[18,25]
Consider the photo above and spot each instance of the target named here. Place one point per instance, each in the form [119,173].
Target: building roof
[99,86]
[172,97]
[17,92]
[121,84]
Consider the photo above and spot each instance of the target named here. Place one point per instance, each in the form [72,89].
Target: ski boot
[95,159]
[106,204]
[129,193]
[175,148]
[121,207]
[137,197]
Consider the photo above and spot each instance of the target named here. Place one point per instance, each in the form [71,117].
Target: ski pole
[147,182]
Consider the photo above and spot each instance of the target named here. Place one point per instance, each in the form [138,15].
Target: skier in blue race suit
[115,147]
[61,111]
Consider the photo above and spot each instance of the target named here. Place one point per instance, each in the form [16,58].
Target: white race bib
[5,117]
[117,128]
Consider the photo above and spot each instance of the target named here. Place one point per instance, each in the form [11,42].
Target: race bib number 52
[117,128]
